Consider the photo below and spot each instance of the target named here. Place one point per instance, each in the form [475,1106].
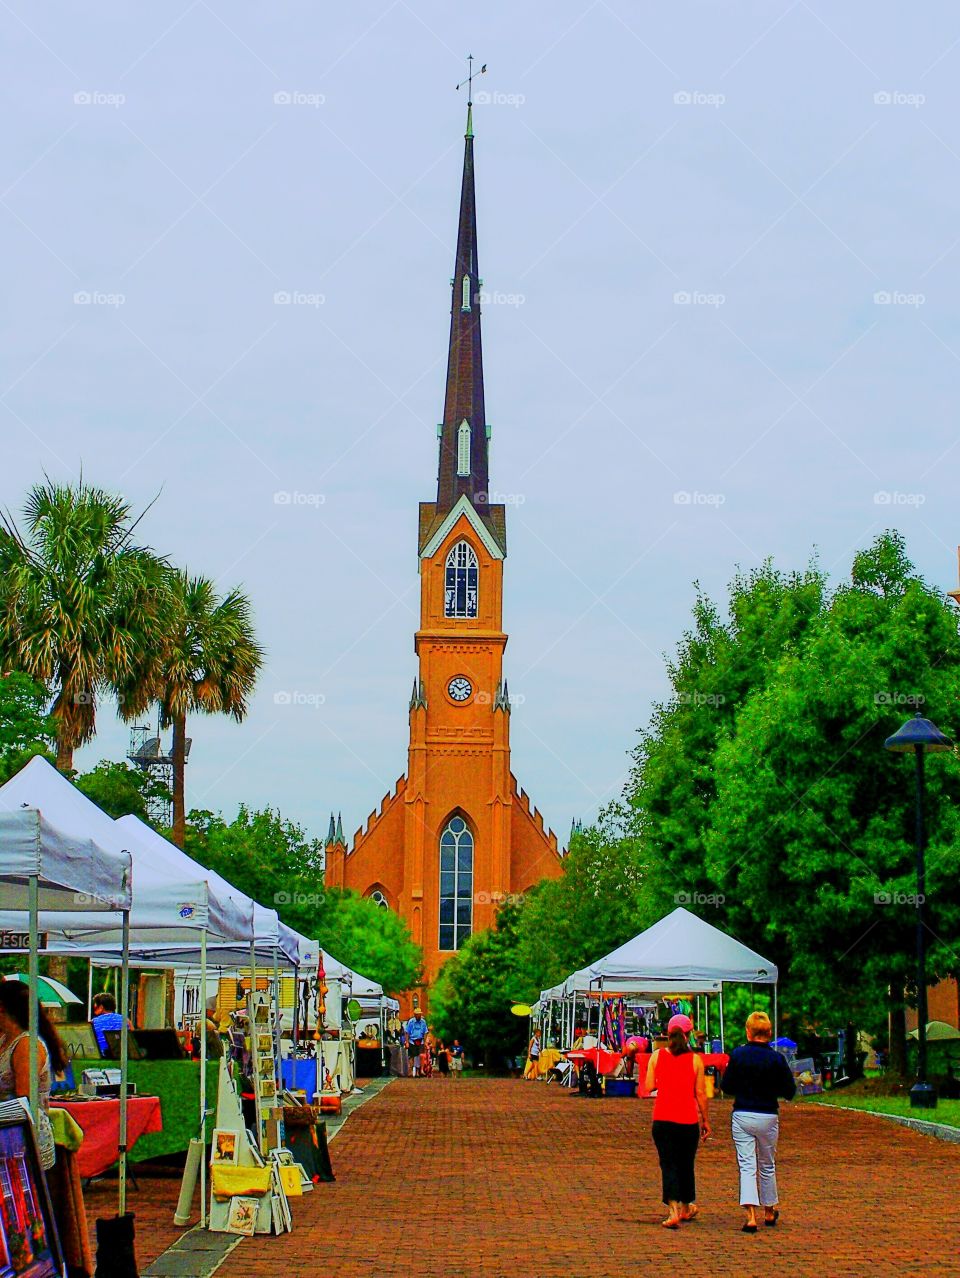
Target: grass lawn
[947,1111]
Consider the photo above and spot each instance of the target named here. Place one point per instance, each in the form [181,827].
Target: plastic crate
[621,1087]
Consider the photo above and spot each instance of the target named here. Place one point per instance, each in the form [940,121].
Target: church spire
[463,433]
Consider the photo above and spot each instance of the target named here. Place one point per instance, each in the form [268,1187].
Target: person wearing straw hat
[758,1077]
[680,1118]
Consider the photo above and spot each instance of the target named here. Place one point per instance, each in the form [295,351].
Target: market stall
[679,957]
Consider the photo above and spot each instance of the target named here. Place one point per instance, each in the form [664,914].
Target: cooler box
[621,1086]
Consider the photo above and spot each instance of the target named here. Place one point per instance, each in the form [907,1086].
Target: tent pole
[90,989]
[33,990]
[776,1034]
[202,1022]
[124,1057]
[721,1017]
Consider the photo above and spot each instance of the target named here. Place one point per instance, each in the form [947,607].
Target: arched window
[379,899]
[461,582]
[465,305]
[463,448]
[456,884]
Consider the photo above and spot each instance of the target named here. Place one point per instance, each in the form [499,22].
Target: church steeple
[464,469]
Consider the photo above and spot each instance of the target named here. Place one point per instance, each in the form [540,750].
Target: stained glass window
[456,884]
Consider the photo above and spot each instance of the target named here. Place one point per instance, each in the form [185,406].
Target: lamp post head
[918,734]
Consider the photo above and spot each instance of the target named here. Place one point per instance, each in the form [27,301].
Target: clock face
[460,688]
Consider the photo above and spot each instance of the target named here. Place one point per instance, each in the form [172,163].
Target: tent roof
[680,954]
[74,872]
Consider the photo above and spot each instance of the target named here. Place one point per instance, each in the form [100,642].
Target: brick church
[457,834]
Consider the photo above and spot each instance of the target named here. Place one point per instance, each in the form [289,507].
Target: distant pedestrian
[416,1030]
[532,1068]
[757,1077]
[443,1059]
[679,1118]
[456,1060]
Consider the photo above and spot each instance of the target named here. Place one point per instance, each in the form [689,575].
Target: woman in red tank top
[679,1119]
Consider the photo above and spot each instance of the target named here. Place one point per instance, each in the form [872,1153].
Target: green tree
[25,727]
[206,661]
[79,601]
[119,789]
[476,988]
[368,938]
[609,891]
[810,835]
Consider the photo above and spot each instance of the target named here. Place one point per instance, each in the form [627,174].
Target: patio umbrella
[52,993]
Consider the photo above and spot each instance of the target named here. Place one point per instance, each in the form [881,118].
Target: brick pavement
[491,1178]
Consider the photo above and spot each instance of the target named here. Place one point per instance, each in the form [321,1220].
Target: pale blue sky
[780,163]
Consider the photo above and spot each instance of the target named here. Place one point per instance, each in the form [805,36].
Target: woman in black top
[758,1077]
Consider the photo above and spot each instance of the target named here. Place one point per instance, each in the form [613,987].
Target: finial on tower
[469,83]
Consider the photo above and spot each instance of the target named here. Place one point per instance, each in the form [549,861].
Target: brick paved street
[490,1178]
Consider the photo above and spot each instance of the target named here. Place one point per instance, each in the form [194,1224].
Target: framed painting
[28,1234]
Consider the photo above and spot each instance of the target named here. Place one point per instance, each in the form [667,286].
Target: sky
[721,254]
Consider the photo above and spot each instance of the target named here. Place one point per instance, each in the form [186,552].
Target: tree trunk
[898,1040]
[179,767]
[64,751]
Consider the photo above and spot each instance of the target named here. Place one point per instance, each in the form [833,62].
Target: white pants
[755,1136]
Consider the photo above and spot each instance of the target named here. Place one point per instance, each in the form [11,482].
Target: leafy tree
[811,835]
[718,664]
[25,727]
[119,789]
[609,890]
[473,994]
[79,601]
[369,939]
[206,661]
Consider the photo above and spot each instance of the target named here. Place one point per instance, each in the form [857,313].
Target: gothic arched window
[465,305]
[463,448]
[460,585]
[456,884]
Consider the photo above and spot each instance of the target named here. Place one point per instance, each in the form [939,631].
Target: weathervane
[469,79]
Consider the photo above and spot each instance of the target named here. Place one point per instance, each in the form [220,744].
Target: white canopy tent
[680,954]
[40,863]
[175,899]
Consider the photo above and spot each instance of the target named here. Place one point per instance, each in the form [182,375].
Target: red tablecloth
[606,1062]
[100,1123]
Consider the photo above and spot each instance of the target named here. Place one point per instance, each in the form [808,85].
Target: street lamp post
[919,735]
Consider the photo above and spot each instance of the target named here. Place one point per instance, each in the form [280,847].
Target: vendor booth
[44,866]
[681,957]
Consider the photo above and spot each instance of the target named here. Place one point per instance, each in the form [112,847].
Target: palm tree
[79,601]
[208,663]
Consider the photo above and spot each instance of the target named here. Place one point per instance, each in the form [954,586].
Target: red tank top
[675,1101]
